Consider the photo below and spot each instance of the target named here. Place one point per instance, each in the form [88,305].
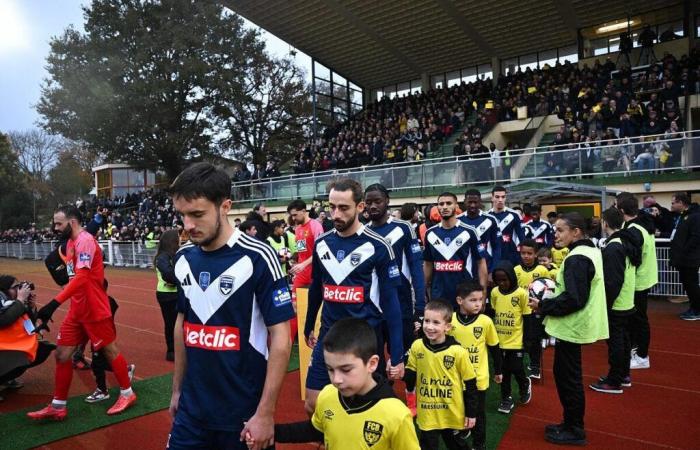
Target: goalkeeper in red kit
[89,316]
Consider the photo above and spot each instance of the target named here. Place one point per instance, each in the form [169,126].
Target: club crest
[459,242]
[372,432]
[226,284]
[447,240]
[204,279]
[355,259]
[448,361]
[514,301]
[340,255]
[478,331]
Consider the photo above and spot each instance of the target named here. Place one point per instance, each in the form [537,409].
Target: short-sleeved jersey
[511,234]
[305,236]
[385,424]
[489,236]
[440,378]
[90,303]
[510,309]
[540,231]
[409,257]
[558,255]
[475,334]
[350,270]
[527,276]
[229,297]
[454,253]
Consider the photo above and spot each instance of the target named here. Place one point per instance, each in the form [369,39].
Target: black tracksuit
[685,253]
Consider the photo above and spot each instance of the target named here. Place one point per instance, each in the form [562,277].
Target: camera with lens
[27,283]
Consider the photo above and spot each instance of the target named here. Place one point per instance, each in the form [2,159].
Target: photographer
[20,347]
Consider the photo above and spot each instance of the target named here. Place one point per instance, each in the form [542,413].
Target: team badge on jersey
[281,297]
[459,242]
[448,361]
[372,432]
[355,259]
[447,240]
[393,271]
[478,331]
[415,248]
[204,280]
[226,284]
[84,257]
[340,255]
[514,301]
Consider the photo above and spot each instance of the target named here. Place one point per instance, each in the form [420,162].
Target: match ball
[542,288]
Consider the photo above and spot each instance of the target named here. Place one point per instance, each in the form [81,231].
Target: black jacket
[264,229]
[578,274]
[685,245]
[614,263]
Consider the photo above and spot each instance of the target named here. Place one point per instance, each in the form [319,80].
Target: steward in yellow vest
[166,289]
[575,315]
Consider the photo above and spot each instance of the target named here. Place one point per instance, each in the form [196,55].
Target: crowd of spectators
[600,105]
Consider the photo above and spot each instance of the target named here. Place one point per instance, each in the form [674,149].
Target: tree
[68,180]
[146,82]
[36,151]
[270,114]
[15,198]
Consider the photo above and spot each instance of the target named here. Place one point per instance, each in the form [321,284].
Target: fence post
[20,251]
[36,255]
[133,252]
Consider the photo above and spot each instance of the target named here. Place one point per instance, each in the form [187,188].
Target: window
[548,57]
[321,71]
[416,87]
[469,75]
[380,94]
[356,97]
[484,71]
[120,177]
[599,46]
[613,44]
[436,81]
[528,62]
[453,79]
[510,65]
[403,89]
[569,53]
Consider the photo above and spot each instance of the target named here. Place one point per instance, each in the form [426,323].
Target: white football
[542,288]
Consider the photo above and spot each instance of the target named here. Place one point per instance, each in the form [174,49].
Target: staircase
[538,159]
[446,149]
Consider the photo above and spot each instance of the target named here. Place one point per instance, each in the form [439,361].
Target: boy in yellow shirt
[558,254]
[510,306]
[446,394]
[477,333]
[359,410]
[544,257]
[527,272]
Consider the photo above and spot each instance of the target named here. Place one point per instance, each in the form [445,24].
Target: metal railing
[135,254]
[118,254]
[639,155]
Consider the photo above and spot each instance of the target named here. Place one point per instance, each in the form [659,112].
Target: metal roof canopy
[379,43]
[546,188]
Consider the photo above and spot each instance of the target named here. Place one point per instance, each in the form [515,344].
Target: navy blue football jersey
[489,236]
[229,297]
[409,257]
[511,234]
[541,231]
[356,276]
[454,253]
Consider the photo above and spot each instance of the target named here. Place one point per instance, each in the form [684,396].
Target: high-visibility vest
[14,337]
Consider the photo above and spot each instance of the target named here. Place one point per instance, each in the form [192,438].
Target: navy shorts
[187,435]
[317,376]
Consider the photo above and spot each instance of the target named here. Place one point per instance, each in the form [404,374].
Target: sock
[126,392]
[121,372]
[64,375]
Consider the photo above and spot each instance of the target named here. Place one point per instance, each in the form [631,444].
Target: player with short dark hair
[232,341]
[485,226]
[451,254]
[354,275]
[537,229]
[89,316]
[509,224]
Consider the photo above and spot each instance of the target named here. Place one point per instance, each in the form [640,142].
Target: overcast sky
[26,26]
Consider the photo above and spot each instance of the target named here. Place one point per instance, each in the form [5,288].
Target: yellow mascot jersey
[441,372]
[558,255]
[510,309]
[526,277]
[383,424]
[475,336]
[552,271]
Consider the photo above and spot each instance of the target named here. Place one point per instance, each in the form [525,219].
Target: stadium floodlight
[615,26]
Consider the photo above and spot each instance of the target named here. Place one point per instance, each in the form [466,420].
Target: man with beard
[403,240]
[451,253]
[354,275]
[232,330]
[485,226]
[89,316]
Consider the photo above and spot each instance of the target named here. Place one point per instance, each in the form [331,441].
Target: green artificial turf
[18,432]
